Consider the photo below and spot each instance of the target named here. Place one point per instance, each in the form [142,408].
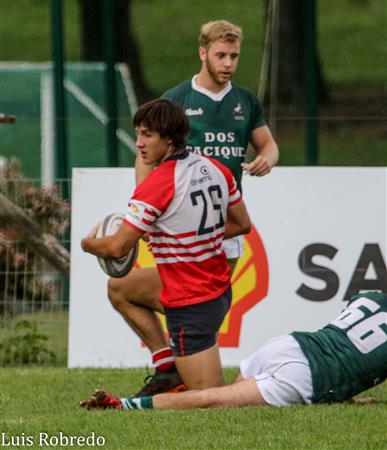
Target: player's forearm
[105,247]
[270,152]
[238,220]
[232,229]
[266,149]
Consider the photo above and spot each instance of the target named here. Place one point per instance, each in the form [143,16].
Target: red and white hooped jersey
[183,204]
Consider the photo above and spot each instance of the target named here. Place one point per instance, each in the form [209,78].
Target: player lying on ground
[333,364]
[188,205]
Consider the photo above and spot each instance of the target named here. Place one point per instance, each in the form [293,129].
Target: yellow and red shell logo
[250,284]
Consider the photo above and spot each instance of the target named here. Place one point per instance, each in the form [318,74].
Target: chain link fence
[34,220]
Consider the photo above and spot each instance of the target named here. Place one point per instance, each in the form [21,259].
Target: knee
[115,294]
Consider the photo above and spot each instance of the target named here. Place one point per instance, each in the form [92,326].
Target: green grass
[46,400]
[25,32]
[53,325]
[351,36]
[352,41]
[181,53]
[341,144]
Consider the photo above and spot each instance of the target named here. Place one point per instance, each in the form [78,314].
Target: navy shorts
[193,328]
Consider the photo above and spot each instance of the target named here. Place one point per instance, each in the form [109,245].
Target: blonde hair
[219,30]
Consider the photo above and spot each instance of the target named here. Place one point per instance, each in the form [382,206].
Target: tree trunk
[91,35]
[127,47]
[290,56]
[128,50]
[46,245]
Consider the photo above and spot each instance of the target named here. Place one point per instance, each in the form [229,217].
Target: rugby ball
[115,268]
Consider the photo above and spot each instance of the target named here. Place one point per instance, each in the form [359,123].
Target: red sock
[163,359]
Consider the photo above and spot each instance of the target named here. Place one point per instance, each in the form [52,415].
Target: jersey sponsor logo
[217,151]
[204,170]
[194,112]
[134,209]
[201,180]
[238,112]
[214,149]
[206,178]
[219,137]
[134,212]
[250,283]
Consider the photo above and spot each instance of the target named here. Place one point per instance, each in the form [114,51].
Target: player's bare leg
[244,393]
[201,370]
[136,298]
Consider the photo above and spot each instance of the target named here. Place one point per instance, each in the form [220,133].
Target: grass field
[351,36]
[52,325]
[35,400]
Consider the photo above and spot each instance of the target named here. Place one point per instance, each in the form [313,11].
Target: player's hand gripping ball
[119,267]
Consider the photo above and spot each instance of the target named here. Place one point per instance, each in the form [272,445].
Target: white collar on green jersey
[216,97]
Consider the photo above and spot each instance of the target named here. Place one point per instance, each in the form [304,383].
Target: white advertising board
[319,235]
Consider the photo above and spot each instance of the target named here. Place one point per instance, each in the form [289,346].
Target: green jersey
[349,355]
[221,124]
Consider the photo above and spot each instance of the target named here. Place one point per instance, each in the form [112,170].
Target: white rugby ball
[119,267]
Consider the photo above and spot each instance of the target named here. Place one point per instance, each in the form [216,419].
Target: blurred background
[158,39]
[72,73]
